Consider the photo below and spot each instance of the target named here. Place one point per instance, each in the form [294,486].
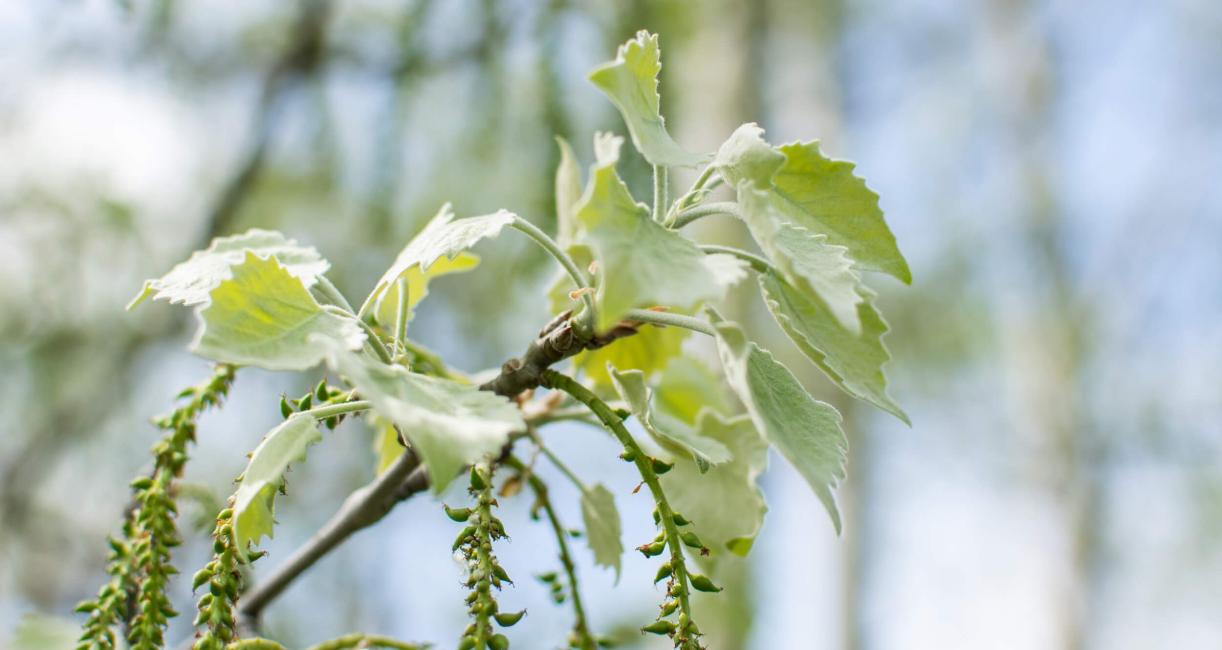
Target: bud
[663,573]
[690,539]
[477,479]
[85,606]
[660,627]
[499,571]
[306,402]
[457,514]
[468,643]
[661,466]
[320,392]
[285,409]
[201,576]
[509,619]
[498,642]
[650,550]
[702,583]
[462,537]
[628,456]
[669,607]
[680,520]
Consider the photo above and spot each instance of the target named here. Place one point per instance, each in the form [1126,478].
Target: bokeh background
[1053,171]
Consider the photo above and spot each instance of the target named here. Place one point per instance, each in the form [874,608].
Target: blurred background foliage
[1051,169]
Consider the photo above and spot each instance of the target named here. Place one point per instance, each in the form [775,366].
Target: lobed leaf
[602,524]
[671,433]
[568,193]
[254,500]
[450,425]
[724,504]
[264,316]
[442,237]
[191,281]
[806,431]
[631,83]
[854,361]
[639,262]
[747,157]
[649,350]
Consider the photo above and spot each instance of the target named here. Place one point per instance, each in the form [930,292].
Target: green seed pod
[508,619]
[226,514]
[142,483]
[657,518]
[690,539]
[651,550]
[285,409]
[499,571]
[85,606]
[201,576]
[468,643]
[457,514]
[547,577]
[320,392]
[498,642]
[680,520]
[477,479]
[702,583]
[605,642]
[660,627]
[663,573]
[306,402]
[669,607]
[333,422]
[462,537]
[628,456]
[661,467]
[623,414]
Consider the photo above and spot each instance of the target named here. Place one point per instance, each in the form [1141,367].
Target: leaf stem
[564,469]
[688,198]
[332,293]
[324,412]
[703,210]
[758,263]
[371,336]
[580,626]
[660,191]
[401,315]
[644,465]
[667,318]
[570,267]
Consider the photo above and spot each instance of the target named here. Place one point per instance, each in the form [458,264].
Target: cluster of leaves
[633,288]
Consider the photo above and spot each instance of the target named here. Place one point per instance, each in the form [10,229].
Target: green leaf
[450,425]
[672,434]
[40,632]
[725,505]
[806,432]
[639,262]
[746,157]
[568,193]
[386,445]
[825,197]
[805,258]
[417,280]
[264,316]
[602,524]
[441,237]
[191,281]
[854,361]
[689,386]
[631,83]
[254,500]
[649,350]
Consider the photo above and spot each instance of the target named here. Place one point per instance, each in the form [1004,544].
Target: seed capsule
[663,573]
[669,607]
[628,456]
[680,520]
[498,642]
[702,583]
[659,627]
[508,619]
[650,550]
[661,466]
[320,392]
[462,537]
[477,479]
[306,402]
[457,514]
[285,409]
[691,540]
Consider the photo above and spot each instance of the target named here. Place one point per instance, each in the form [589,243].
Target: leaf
[853,361]
[40,632]
[450,425]
[639,262]
[687,387]
[264,316]
[442,236]
[568,193]
[725,505]
[191,281]
[806,432]
[672,434]
[805,258]
[386,445]
[631,83]
[602,524]
[825,197]
[745,156]
[649,350]
[417,280]
[254,500]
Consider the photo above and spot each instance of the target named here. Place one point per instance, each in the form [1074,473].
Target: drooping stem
[579,278]
[759,264]
[667,318]
[681,587]
[581,629]
[705,209]
[661,191]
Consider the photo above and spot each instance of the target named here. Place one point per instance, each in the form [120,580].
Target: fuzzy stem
[401,316]
[667,318]
[644,465]
[660,191]
[579,278]
[691,214]
[580,626]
